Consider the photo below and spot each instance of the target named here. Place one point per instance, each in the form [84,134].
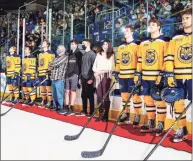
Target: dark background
[15,4]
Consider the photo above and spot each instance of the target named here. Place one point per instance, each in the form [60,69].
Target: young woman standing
[103,68]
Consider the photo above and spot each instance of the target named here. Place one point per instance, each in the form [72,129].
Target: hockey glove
[170,79]
[15,76]
[116,76]
[36,83]
[137,78]
[159,78]
[48,76]
[27,77]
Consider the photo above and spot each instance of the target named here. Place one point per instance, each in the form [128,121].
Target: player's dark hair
[129,27]
[187,11]
[48,43]
[154,20]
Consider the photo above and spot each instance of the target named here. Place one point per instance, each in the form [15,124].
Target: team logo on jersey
[9,64]
[151,57]
[126,58]
[41,62]
[185,53]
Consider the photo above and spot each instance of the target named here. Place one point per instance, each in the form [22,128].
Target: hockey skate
[159,129]
[124,119]
[42,104]
[25,102]
[49,105]
[31,103]
[136,121]
[10,101]
[16,100]
[149,127]
[180,135]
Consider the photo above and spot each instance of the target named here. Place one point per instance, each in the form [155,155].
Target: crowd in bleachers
[165,10]
[34,21]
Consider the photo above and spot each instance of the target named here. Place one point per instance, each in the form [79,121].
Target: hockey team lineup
[156,71]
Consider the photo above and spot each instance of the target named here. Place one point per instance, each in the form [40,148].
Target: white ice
[26,136]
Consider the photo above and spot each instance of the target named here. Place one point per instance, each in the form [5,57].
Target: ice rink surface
[26,136]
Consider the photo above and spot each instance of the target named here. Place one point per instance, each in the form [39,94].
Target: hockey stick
[19,84]
[3,114]
[9,94]
[26,94]
[94,154]
[166,134]
[74,137]
[4,92]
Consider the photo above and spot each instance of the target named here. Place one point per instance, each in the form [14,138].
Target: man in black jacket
[72,76]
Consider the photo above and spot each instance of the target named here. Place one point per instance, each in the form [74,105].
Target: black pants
[102,89]
[87,93]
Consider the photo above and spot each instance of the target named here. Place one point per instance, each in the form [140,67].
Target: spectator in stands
[32,17]
[119,24]
[31,26]
[76,8]
[96,10]
[177,7]
[189,5]
[37,28]
[81,14]
[132,18]
[165,11]
[119,30]
[14,26]
[143,29]
[42,22]
[158,6]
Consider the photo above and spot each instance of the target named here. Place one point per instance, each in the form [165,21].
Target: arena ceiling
[11,4]
[15,4]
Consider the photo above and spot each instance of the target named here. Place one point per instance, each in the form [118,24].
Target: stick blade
[71,137]
[3,114]
[91,154]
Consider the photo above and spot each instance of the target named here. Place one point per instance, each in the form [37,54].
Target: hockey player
[44,60]
[29,75]
[179,65]
[149,68]
[13,66]
[126,64]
